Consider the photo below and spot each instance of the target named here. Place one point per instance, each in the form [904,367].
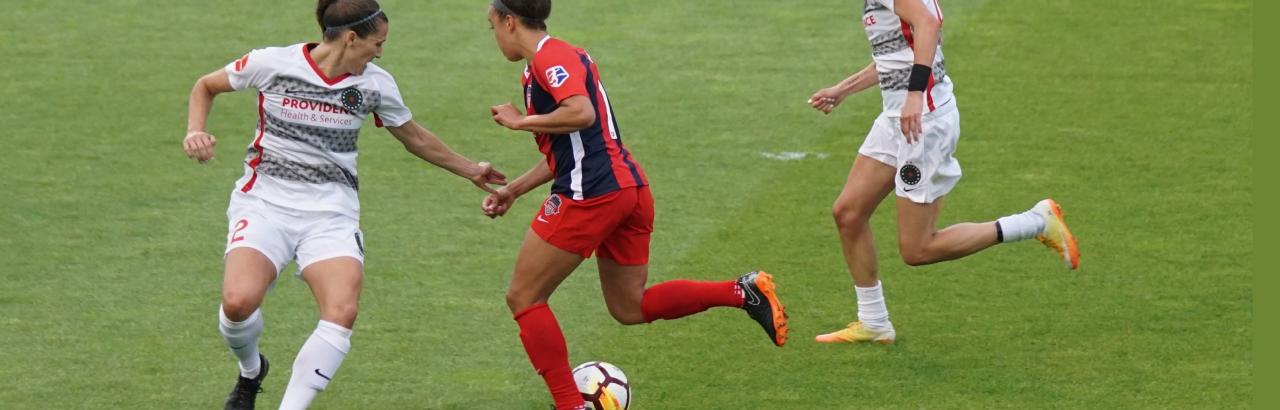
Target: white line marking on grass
[794,155]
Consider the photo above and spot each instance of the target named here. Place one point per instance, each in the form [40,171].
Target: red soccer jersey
[589,162]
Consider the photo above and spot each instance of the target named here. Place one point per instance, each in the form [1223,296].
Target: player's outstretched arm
[198,144]
[422,143]
[574,113]
[827,99]
[498,202]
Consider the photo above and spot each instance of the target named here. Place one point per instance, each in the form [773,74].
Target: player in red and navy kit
[599,203]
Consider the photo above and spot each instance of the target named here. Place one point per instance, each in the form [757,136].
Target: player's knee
[849,216]
[341,313]
[518,300]
[237,306]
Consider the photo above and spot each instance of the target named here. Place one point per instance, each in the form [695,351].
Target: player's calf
[627,316]
[915,256]
[678,298]
[316,364]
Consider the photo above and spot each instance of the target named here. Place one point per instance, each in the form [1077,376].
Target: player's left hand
[498,202]
[507,115]
[911,126]
[826,99]
[488,175]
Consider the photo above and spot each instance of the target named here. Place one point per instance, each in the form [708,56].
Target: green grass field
[1137,116]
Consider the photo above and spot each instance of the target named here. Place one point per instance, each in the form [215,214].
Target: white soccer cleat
[1056,236]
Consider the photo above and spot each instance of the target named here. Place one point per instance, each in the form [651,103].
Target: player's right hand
[498,202]
[488,175]
[826,99]
[199,146]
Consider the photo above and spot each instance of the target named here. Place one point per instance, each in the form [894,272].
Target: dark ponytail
[360,16]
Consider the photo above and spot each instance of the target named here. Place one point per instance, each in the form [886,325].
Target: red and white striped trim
[911,43]
[257,145]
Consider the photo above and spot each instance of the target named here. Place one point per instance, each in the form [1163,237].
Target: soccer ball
[603,386]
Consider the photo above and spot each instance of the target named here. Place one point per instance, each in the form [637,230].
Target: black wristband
[920,76]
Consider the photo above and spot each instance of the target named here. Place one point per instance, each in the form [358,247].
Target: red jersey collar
[306,53]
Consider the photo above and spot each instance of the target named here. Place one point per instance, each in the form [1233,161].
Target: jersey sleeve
[251,70]
[391,110]
[561,72]
[886,3]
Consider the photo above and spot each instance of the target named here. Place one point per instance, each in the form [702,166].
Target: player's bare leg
[246,278]
[869,182]
[623,288]
[920,243]
[336,285]
[540,268]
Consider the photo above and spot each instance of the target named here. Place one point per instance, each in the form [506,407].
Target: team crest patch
[552,206]
[910,174]
[352,99]
[556,76]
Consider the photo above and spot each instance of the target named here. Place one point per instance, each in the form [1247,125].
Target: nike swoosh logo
[753,299]
[910,190]
[542,220]
[322,375]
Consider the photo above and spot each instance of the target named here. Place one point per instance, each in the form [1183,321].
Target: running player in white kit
[909,152]
[297,199]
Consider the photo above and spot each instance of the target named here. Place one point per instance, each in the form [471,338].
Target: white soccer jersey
[891,48]
[303,154]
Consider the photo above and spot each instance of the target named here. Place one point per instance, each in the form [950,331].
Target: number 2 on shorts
[240,225]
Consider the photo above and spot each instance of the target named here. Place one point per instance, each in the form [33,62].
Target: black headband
[357,22]
[503,9]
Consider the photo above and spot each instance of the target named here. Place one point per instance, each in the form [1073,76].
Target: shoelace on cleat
[1050,243]
[248,388]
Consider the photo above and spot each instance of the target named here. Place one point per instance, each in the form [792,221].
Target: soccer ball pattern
[603,386]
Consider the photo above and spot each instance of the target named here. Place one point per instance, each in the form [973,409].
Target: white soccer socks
[1021,226]
[871,310]
[318,360]
[242,339]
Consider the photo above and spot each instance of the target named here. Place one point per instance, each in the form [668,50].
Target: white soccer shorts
[285,234]
[927,169]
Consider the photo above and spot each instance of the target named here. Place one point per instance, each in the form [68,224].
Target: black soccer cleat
[761,303]
[245,394]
